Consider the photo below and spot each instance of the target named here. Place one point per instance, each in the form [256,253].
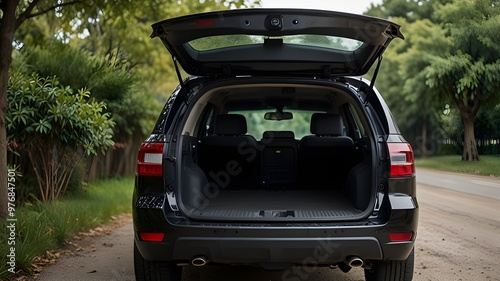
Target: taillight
[400,236]
[402,160]
[151,236]
[149,159]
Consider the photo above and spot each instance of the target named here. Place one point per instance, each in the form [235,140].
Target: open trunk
[229,173]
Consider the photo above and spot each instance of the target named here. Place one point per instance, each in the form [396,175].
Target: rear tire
[155,270]
[392,270]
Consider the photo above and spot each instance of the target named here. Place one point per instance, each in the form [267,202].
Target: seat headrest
[278,135]
[326,124]
[230,125]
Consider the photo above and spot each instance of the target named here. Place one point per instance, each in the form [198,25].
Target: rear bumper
[292,245]
[228,250]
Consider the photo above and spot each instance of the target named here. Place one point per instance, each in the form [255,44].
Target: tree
[469,74]
[9,23]
[452,56]
[15,12]
[400,77]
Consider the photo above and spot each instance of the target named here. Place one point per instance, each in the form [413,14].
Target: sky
[349,6]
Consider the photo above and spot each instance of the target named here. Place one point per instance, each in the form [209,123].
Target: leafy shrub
[55,127]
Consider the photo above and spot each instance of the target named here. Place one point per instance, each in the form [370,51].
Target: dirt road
[458,239]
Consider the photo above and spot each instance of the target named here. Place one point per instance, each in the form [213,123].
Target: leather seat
[230,158]
[327,154]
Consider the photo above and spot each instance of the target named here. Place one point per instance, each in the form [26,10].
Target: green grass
[46,225]
[488,165]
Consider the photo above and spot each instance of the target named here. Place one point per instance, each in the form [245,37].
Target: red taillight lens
[151,236]
[402,160]
[400,236]
[149,159]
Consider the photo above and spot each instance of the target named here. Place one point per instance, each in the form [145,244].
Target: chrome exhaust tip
[354,261]
[199,261]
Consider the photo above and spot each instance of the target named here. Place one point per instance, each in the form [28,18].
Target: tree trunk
[7,29]
[468,103]
[468,110]
[470,152]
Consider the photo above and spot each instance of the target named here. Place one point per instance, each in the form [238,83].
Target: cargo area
[237,164]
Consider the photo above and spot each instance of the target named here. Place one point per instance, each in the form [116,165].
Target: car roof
[285,42]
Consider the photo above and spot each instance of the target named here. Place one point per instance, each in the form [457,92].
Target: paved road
[488,187]
[458,239]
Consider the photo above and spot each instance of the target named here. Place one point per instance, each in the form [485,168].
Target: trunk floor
[287,204]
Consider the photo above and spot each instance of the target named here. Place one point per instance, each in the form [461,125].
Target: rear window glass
[257,125]
[311,40]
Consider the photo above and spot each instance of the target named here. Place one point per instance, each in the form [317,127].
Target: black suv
[275,151]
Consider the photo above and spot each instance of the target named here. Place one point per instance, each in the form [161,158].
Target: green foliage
[111,26]
[55,128]
[452,125]
[105,47]
[488,122]
[472,66]
[450,56]
[111,79]
[411,10]
[469,74]
[33,238]
[465,76]
[257,125]
[73,67]
[44,226]
[43,108]
[487,128]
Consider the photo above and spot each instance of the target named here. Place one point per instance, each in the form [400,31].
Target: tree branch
[27,13]
[24,15]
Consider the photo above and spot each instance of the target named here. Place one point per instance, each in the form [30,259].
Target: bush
[55,128]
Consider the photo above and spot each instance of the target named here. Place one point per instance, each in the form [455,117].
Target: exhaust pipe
[199,261]
[354,261]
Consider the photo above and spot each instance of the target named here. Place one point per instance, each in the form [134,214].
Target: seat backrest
[230,125]
[325,157]
[230,158]
[327,130]
[279,158]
